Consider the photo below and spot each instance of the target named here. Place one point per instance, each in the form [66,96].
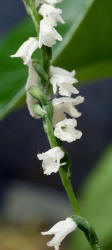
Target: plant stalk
[31,9]
[47,120]
[63,175]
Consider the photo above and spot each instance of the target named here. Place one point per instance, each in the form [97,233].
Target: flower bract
[31,81]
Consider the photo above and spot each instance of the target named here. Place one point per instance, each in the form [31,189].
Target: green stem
[63,175]
[47,54]
[31,9]
[69,190]
[47,119]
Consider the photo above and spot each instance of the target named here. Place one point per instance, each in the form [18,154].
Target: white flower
[31,81]
[51,13]
[51,160]
[60,231]
[37,2]
[65,130]
[26,50]
[64,80]
[64,105]
[48,35]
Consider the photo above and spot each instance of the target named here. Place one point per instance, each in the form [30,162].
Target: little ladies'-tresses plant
[49,92]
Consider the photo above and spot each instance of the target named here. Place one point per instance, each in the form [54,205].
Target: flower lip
[52,14]
[65,105]
[48,35]
[63,81]
[51,160]
[26,49]
[66,131]
[60,230]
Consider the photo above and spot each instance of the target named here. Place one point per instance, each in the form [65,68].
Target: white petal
[64,105]
[67,89]
[51,160]
[53,1]
[60,231]
[48,35]
[65,130]
[61,71]
[63,80]
[51,13]
[26,50]
[31,81]
[37,2]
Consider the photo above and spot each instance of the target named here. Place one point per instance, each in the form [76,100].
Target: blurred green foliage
[96,203]
[86,47]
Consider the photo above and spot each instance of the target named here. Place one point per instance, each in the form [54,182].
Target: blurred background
[31,202]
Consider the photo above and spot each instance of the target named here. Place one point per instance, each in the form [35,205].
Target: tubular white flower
[51,13]
[64,80]
[48,35]
[60,231]
[65,130]
[31,81]
[64,105]
[26,50]
[37,2]
[51,160]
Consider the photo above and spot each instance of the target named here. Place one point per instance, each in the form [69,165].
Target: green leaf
[86,47]
[90,48]
[96,203]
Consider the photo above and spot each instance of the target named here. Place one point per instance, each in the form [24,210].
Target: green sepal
[68,167]
[37,94]
[88,230]
[49,110]
[39,69]
[47,56]
[39,111]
